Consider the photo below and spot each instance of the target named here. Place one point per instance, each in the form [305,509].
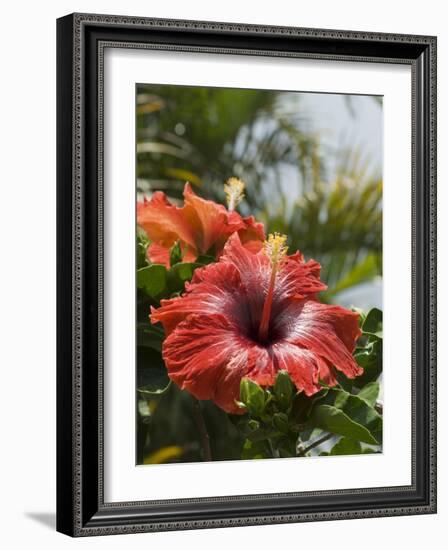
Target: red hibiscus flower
[200,226]
[252,315]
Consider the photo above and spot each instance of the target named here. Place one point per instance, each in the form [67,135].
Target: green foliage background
[205,135]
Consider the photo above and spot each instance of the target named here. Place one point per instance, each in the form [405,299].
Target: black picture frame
[81,39]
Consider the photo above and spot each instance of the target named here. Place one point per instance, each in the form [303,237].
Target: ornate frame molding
[81,42]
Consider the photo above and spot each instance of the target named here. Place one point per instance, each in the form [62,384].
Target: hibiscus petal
[328,331]
[261,368]
[215,288]
[302,365]
[327,374]
[249,360]
[158,254]
[205,356]
[227,389]
[345,323]
[163,222]
[211,221]
[254,270]
[253,235]
[213,328]
[189,254]
[297,279]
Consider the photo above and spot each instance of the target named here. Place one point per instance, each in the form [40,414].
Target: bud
[283,390]
[253,397]
[280,421]
[175,254]
[254,425]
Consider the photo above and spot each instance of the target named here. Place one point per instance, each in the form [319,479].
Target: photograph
[246,280]
[230,238]
[259,295]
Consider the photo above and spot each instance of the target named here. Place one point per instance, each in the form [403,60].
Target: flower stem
[202,428]
[274,452]
[315,444]
[379,407]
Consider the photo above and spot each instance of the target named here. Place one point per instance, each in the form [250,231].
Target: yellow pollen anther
[275,247]
[234,190]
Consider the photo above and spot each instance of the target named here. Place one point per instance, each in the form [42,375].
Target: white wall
[27,304]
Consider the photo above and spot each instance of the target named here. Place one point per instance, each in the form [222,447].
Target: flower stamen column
[234,190]
[275,249]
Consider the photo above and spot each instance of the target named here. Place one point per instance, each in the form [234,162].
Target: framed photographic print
[246,274]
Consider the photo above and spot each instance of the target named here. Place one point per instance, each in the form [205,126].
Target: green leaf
[142,245]
[370,359]
[346,446]
[373,323]
[280,422]
[335,421]
[255,449]
[184,271]
[152,279]
[334,397]
[152,376]
[263,434]
[359,411]
[341,398]
[253,425]
[362,315]
[345,383]
[179,274]
[150,336]
[356,408]
[302,405]
[205,260]
[370,393]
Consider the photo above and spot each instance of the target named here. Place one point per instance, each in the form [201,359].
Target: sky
[344,121]
[349,122]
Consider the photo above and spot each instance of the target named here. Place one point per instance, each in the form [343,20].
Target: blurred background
[312,164]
